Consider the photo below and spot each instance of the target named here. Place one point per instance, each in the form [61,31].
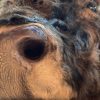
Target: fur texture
[71,68]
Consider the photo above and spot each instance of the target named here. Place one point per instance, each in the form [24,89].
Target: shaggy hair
[76,26]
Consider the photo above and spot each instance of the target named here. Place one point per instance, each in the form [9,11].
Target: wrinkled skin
[49,49]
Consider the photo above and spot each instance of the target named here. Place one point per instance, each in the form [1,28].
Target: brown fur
[70,67]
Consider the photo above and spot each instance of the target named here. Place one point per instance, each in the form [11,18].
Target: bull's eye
[91,6]
[40,2]
[34,1]
[69,1]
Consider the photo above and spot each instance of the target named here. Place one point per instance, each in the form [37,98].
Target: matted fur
[71,68]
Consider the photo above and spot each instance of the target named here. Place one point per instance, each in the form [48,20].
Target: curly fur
[77,24]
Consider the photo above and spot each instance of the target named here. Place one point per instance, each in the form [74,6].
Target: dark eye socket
[40,2]
[91,6]
[34,1]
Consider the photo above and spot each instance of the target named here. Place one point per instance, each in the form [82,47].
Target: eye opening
[91,6]
[69,1]
[40,2]
[34,1]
